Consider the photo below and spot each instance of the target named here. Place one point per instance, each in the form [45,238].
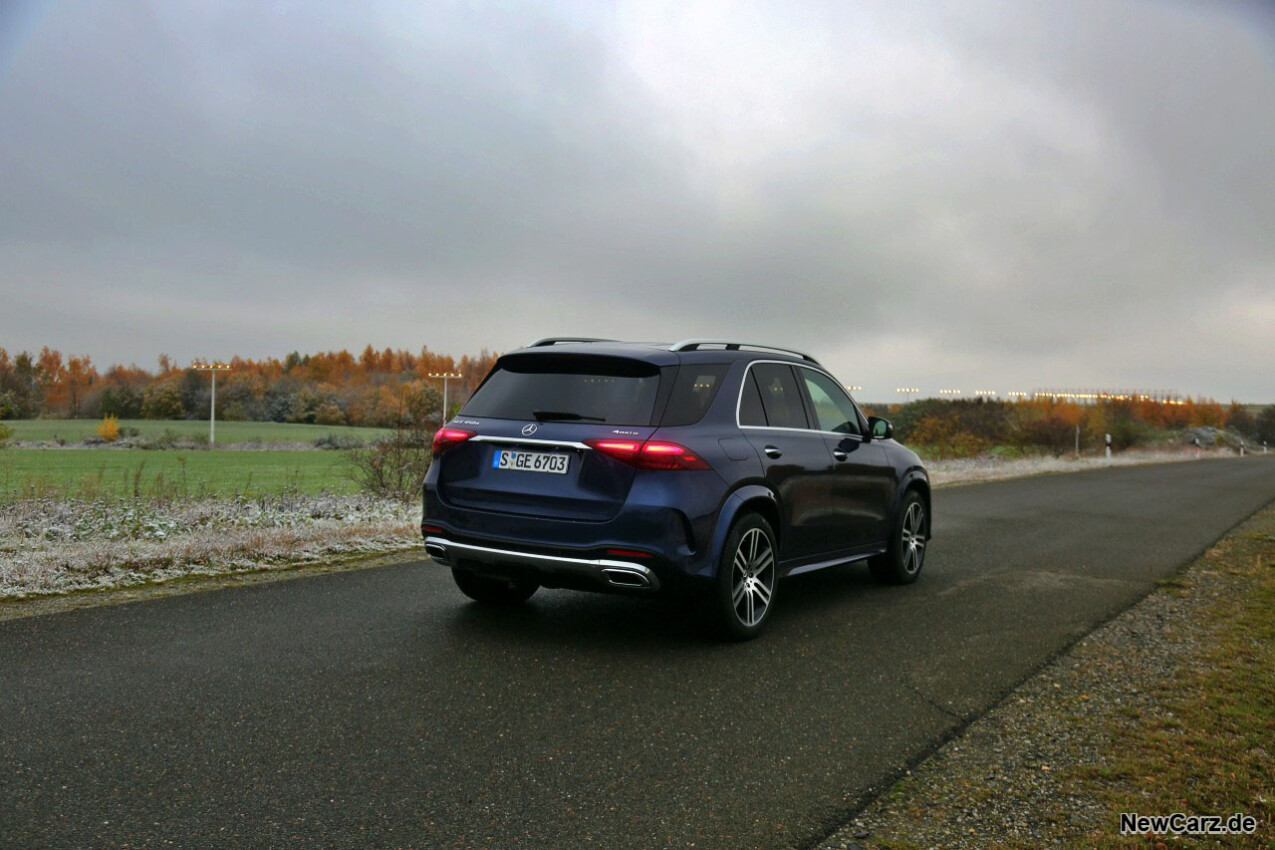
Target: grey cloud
[1038,193]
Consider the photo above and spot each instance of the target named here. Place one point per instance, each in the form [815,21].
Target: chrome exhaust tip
[627,578]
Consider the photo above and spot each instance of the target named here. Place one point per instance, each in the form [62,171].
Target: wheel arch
[917,482]
[748,498]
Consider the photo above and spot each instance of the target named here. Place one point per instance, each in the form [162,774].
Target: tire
[744,590]
[493,591]
[902,561]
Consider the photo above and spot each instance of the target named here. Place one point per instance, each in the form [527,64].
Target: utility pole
[442,420]
[212,367]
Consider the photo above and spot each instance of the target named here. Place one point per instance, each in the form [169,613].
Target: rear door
[795,459]
[530,420]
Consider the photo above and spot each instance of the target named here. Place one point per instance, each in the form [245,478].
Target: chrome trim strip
[595,568]
[566,444]
[810,568]
[801,431]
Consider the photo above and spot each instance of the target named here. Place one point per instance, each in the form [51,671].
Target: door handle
[772,452]
[839,454]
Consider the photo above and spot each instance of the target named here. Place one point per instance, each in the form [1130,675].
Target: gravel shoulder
[1029,772]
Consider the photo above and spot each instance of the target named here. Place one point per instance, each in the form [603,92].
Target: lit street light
[907,392]
[212,367]
[445,376]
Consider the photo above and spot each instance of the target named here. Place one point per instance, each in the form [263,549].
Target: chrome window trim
[842,434]
[739,403]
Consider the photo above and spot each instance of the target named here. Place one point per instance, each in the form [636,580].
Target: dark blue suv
[707,466]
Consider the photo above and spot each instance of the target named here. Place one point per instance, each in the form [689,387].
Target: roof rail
[731,345]
[557,340]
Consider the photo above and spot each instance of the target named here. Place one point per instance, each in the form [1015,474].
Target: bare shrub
[394,466]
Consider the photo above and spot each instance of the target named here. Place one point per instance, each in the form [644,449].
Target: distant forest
[376,388]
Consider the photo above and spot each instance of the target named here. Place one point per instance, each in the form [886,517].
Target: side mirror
[881,428]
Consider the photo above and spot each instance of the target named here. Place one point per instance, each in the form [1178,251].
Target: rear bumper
[549,570]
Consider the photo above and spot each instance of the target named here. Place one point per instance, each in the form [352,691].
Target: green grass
[89,473]
[228,433]
[1213,750]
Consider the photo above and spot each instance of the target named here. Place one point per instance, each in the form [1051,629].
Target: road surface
[380,708]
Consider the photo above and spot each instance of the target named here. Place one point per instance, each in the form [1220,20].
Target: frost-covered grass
[989,468]
[52,546]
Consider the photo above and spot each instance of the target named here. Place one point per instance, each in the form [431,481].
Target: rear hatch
[533,424]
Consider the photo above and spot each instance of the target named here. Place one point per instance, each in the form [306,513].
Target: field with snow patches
[55,546]
[51,546]
[972,470]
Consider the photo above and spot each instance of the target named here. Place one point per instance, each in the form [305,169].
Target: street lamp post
[445,376]
[212,367]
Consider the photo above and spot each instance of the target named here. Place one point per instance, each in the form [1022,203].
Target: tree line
[383,388]
[970,427]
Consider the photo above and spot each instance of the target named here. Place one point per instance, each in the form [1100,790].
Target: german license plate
[530,461]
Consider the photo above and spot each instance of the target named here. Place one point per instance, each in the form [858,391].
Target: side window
[750,408]
[833,408]
[779,395]
[693,391]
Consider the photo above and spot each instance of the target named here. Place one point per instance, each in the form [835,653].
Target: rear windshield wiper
[564,416]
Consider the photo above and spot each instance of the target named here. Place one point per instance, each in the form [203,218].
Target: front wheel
[493,591]
[902,562]
[746,578]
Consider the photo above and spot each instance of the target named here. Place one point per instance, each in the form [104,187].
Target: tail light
[653,454]
[449,438]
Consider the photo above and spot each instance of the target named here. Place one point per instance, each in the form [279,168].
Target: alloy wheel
[753,577]
[913,538]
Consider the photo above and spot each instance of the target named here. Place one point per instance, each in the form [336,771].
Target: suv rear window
[568,388]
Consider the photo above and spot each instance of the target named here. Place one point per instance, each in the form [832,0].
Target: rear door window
[751,411]
[568,388]
[780,396]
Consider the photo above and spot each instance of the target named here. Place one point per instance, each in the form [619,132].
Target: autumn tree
[1239,420]
[162,400]
[79,377]
[50,374]
[1265,425]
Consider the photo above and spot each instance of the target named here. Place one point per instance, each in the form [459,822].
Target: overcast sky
[945,195]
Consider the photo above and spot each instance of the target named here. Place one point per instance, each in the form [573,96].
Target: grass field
[91,473]
[228,433]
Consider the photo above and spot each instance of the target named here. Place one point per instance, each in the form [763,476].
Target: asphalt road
[379,708]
